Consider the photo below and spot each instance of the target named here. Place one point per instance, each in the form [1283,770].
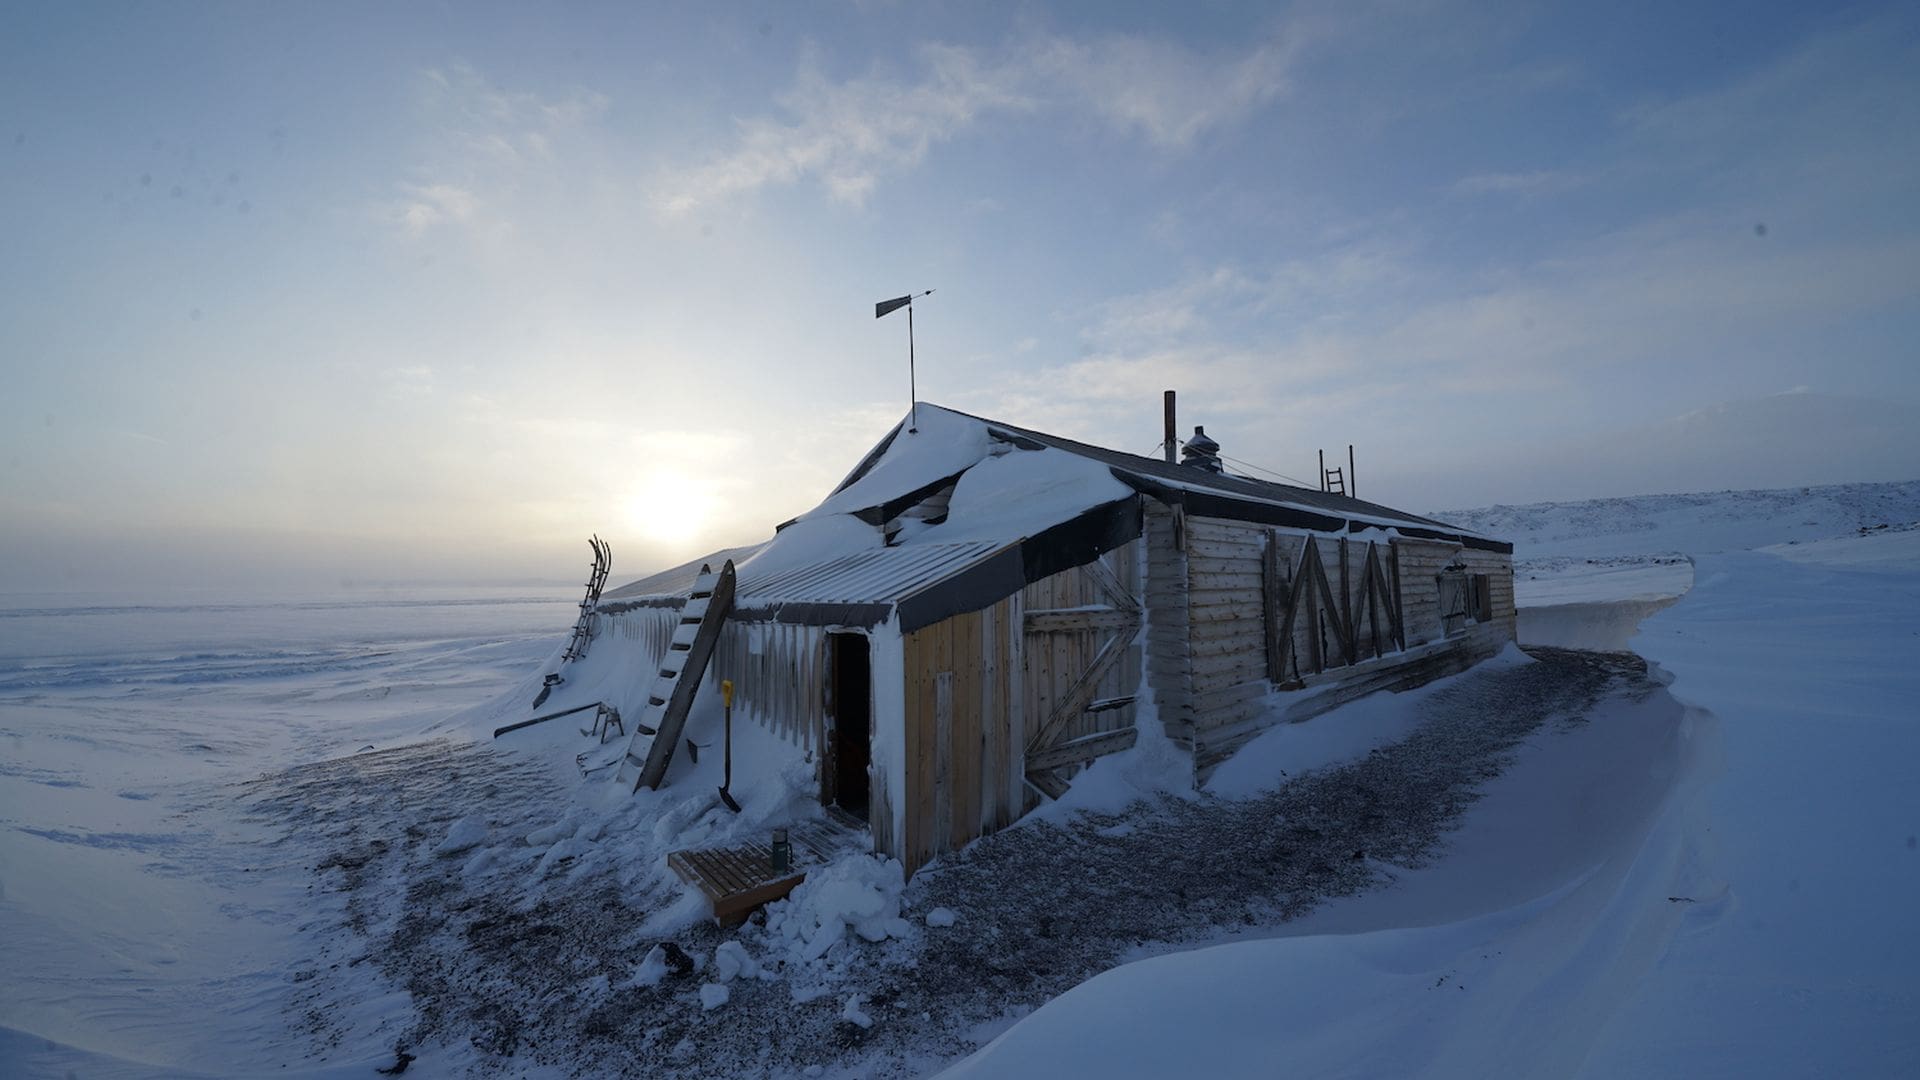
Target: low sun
[668,507]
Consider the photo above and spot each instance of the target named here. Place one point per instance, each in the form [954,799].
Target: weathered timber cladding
[1341,641]
[1226,648]
[1170,620]
[979,685]
[777,669]
[1057,654]
[958,731]
[1421,562]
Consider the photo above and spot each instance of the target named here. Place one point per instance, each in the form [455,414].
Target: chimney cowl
[1201,451]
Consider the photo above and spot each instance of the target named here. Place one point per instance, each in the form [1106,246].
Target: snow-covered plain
[197,796]
[147,926]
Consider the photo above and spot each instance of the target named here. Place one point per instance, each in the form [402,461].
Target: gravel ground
[1041,908]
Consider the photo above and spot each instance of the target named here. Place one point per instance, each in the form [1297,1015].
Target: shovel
[726,698]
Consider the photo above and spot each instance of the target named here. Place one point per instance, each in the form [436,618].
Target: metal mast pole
[880,311]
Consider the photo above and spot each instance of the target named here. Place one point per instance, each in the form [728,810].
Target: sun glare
[668,507]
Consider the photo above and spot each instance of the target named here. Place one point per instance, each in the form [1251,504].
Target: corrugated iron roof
[868,576]
[874,575]
[678,580]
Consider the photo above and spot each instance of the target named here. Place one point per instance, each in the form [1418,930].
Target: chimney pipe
[1171,440]
[1353,491]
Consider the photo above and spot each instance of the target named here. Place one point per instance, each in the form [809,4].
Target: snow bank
[1807,968]
[1721,884]
[1153,768]
[856,893]
[1608,626]
[1698,523]
[1334,737]
[1497,960]
[1893,548]
[1559,579]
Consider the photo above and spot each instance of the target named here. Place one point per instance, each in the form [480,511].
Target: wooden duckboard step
[737,879]
[740,877]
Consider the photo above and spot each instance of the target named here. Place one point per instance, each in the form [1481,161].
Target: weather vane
[913,394]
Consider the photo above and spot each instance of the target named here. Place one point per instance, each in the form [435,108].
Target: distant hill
[1693,523]
[1783,440]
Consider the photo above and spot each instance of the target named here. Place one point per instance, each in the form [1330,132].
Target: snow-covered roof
[1147,473]
[960,496]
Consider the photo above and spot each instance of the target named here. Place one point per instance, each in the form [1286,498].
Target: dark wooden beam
[1082,749]
[1057,620]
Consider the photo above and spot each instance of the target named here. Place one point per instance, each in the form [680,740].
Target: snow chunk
[560,853]
[852,1013]
[713,995]
[463,834]
[941,916]
[550,834]
[732,959]
[860,893]
[657,965]
[481,860]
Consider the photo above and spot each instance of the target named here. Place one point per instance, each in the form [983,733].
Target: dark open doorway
[850,712]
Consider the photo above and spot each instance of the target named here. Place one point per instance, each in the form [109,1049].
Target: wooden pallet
[737,879]
[740,878]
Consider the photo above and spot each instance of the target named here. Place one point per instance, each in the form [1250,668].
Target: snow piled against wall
[1736,899]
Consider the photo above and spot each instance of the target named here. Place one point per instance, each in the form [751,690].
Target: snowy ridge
[1695,524]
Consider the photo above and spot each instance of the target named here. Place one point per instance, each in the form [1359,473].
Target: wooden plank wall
[1421,562]
[1228,620]
[1168,619]
[779,677]
[1227,666]
[965,740]
[975,686]
[1316,643]
[778,670]
[1054,658]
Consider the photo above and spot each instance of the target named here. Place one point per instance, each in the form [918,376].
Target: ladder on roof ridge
[681,668]
[596,580]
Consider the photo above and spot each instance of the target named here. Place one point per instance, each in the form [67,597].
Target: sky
[303,296]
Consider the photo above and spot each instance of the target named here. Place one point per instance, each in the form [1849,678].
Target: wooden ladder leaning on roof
[596,581]
[681,669]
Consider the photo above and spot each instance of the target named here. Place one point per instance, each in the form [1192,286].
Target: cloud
[848,135]
[481,143]
[1233,302]
[1170,94]
[427,205]
[1537,182]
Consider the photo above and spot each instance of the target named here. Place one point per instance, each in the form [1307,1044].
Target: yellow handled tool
[726,698]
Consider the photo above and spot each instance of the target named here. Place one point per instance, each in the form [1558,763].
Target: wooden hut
[980,610]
